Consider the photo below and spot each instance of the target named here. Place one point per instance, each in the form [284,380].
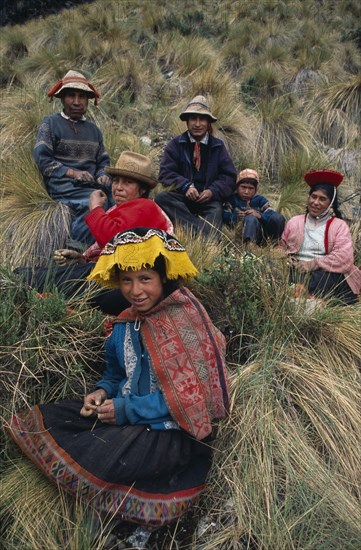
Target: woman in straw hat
[138,447]
[131,185]
[319,245]
[70,149]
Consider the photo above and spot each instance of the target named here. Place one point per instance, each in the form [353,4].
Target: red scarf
[197,155]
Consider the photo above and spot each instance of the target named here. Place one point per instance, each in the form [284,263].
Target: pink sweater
[339,256]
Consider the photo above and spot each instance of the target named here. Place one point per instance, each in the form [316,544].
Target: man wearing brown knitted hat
[70,153]
[197,171]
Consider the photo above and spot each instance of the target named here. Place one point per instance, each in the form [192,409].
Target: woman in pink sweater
[319,245]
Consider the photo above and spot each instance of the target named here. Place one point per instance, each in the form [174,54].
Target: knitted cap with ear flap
[75,81]
[248,173]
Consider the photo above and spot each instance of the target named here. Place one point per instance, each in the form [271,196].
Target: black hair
[169,286]
[63,92]
[252,181]
[329,190]
[145,188]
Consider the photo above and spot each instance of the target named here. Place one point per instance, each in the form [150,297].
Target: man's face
[246,191]
[75,103]
[197,126]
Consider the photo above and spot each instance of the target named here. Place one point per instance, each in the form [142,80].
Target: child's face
[143,288]
[246,191]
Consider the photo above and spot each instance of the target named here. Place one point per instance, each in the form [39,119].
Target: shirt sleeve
[114,373]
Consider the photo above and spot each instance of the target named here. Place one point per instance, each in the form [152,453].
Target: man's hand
[64,256]
[81,175]
[192,193]
[97,198]
[205,196]
[104,180]
[92,402]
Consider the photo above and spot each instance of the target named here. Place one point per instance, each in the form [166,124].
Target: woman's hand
[64,256]
[92,401]
[97,198]
[306,266]
[106,412]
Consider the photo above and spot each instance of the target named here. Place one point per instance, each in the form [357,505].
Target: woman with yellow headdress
[138,447]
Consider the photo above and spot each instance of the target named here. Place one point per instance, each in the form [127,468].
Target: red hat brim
[331,177]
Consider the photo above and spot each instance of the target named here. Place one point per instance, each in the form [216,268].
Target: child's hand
[92,401]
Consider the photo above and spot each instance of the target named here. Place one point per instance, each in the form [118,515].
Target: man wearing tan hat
[198,172]
[70,153]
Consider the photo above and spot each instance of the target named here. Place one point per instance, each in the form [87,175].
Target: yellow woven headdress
[138,248]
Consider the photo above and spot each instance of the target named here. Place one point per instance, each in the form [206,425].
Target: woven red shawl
[187,355]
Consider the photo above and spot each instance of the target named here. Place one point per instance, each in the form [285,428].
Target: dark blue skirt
[131,472]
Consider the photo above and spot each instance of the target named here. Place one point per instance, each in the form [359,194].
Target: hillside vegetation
[284,80]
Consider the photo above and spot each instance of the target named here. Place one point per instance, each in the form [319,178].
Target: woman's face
[317,203]
[143,288]
[125,189]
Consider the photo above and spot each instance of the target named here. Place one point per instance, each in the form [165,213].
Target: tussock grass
[280,131]
[32,224]
[43,516]
[47,351]
[20,115]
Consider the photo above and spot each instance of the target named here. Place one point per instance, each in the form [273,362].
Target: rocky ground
[13,12]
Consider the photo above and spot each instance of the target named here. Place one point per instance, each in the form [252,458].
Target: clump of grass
[23,108]
[287,465]
[280,131]
[37,514]
[32,224]
[47,351]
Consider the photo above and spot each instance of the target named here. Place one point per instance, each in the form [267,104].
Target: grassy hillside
[284,80]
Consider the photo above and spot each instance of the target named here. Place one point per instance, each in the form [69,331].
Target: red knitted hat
[331,177]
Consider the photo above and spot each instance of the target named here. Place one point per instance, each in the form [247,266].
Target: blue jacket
[129,380]
[176,167]
[258,202]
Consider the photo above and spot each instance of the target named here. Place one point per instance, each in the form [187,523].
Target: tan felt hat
[135,166]
[197,106]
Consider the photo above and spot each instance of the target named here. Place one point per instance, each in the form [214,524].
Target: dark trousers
[187,213]
[256,230]
[325,284]
[71,281]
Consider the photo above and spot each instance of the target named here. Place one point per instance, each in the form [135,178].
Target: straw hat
[197,106]
[331,177]
[74,80]
[248,173]
[138,248]
[135,166]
